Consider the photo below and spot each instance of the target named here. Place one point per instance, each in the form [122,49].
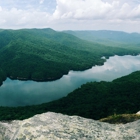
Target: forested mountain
[45,54]
[94,100]
[106,37]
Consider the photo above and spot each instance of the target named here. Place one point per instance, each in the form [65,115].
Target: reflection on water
[20,93]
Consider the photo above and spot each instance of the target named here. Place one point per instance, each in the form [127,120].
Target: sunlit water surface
[21,93]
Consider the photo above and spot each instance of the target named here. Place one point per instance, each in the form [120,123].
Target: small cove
[22,93]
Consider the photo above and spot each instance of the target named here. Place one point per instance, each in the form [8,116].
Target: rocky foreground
[53,126]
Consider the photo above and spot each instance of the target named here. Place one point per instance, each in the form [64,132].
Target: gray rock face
[138,113]
[53,126]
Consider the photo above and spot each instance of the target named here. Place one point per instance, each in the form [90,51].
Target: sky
[120,15]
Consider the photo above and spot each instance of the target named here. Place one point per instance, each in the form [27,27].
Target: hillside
[45,54]
[93,100]
[111,38]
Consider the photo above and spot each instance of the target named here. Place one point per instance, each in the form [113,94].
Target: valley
[47,55]
[30,92]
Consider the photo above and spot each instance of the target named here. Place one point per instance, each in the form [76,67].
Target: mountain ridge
[45,54]
[108,37]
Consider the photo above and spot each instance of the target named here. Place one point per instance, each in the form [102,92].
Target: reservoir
[22,93]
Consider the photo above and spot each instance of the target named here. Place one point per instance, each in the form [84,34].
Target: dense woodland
[93,100]
[44,54]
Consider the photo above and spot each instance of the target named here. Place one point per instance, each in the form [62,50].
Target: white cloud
[79,9]
[0,8]
[41,1]
[95,9]
[71,14]
[17,18]
[135,13]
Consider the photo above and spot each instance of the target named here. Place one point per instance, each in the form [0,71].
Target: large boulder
[138,113]
[53,126]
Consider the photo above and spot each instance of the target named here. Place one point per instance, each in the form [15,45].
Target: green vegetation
[2,76]
[111,38]
[44,54]
[121,118]
[94,100]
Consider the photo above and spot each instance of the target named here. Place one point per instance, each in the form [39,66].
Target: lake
[21,93]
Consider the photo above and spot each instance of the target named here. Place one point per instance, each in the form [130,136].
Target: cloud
[71,14]
[17,18]
[97,9]
[135,13]
[80,9]
[41,1]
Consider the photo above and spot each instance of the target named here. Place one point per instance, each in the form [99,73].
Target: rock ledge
[54,126]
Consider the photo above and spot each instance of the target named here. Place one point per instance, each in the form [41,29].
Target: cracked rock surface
[54,126]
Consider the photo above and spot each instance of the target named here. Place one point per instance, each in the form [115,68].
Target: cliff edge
[54,126]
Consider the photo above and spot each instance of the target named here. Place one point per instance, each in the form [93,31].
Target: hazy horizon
[68,30]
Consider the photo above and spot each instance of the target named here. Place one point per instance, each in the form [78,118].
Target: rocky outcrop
[53,126]
[138,113]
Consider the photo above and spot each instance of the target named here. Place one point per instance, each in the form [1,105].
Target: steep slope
[52,126]
[38,54]
[44,54]
[101,99]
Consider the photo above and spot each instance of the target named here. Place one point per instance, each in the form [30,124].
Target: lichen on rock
[54,126]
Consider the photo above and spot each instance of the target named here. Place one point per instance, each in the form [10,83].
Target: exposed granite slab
[53,126]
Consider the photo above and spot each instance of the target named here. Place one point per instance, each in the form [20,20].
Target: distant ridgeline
[45,54]
[94,100]
[111,38]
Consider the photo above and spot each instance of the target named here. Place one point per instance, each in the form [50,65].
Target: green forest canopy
[45,54]
[93,100]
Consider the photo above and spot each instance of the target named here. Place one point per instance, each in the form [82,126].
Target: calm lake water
[21,93]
